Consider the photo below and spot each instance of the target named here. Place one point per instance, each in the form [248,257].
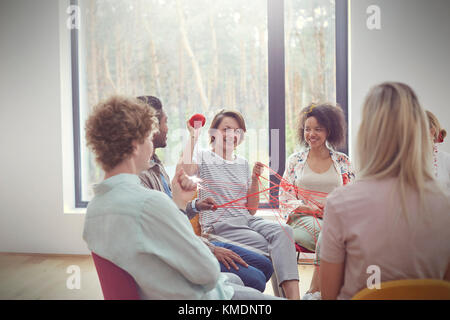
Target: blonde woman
[393,219]
[441,159]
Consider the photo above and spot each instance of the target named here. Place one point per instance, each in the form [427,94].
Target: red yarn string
[308,196]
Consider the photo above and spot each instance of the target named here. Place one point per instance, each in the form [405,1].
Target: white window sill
[75,211]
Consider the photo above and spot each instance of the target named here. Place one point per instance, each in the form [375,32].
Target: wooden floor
[44,277]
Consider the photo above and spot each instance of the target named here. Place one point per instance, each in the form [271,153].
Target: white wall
[31,192]
[413,46]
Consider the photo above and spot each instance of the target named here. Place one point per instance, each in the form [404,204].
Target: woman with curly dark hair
[318,168]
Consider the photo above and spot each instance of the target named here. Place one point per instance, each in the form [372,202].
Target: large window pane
[197,56]
[310,59]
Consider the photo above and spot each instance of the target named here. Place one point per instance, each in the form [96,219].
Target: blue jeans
[259,269]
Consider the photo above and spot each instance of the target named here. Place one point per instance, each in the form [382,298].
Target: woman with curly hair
[317,168]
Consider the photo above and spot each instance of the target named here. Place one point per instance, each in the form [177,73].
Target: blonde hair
[439,134]
[393,139]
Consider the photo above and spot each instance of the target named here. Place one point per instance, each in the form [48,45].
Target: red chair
[299,249]
[116,283]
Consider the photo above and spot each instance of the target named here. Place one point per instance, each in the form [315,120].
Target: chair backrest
[417,289]
[299,248]
[116,283]
[196,225]
[195,221]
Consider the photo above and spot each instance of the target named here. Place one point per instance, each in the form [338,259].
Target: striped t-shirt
[224,181]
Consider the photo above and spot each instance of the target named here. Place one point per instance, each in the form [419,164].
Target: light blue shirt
[143,232]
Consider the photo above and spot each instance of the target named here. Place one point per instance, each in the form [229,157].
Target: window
[198,56]
[310,59]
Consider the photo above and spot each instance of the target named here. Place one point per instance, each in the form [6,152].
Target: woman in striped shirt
[227,177]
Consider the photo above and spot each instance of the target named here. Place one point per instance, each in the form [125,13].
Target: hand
[310,209]
[193,132]
[183,188]
[206,204]
[257,170]
[228,257]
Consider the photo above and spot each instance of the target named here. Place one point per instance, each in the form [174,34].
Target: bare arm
[186,158]
[331,279]
[253,202]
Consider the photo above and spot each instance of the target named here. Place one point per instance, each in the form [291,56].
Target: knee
[284,232]
[257,280]
[233,278]
[266,267]
[289,231]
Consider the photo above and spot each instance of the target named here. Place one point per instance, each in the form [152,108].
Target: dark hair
[329,116]
[153,102]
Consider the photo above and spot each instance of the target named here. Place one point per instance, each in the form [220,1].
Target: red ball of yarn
[197,118]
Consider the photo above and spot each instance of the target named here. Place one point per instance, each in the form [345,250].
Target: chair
[196,225]
[299,249]
[116,283]
[417,289]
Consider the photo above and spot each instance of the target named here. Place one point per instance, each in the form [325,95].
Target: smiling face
[229,132]
[315,134]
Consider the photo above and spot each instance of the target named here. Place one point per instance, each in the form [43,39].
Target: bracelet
[194,205]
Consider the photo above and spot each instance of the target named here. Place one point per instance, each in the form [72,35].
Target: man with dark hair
[257,269]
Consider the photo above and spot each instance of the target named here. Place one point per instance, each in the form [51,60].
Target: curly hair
[331,117]
[114,124]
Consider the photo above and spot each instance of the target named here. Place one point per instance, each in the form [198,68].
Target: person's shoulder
[146,174]
[241,160]
[156,203]
[203,155]
[358,190]
[341,157]
[203,151]
[298,156]
[154,196]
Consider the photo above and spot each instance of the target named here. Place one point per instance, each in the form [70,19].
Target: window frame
[276,88]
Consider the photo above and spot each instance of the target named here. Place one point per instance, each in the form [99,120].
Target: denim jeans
[259,269]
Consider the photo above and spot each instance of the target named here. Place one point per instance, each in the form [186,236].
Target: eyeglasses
[235,131]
